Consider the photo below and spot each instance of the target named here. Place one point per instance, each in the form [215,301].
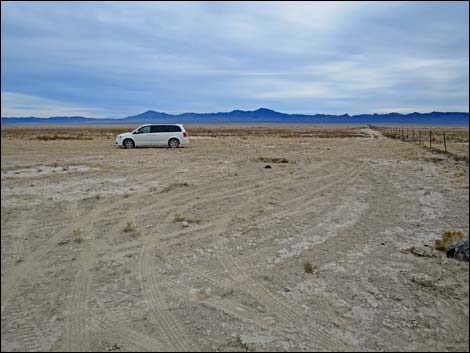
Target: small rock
[112,348]
[459,250]
[185,224]
[421,252]
[285,290]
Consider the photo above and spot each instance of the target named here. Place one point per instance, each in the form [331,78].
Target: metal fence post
[430,137]
[445,145]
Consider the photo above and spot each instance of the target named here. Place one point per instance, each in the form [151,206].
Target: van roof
[180,125]
[162,124]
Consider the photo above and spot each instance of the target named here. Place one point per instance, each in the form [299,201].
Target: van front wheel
[173,143]
[128,143]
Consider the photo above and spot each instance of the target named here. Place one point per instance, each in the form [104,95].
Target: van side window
[174,128]
[144,130]
[155,128]
[164,128]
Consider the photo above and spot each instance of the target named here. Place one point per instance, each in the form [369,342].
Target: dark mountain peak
[148,115]
[264,110]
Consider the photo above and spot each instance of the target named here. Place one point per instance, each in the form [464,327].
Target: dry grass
[456,138]
[62,137]
[273,160]
[180,218]
[448,238]
[130,228]
[85,131]
[283,132]
[308,267]
[77,236]
[175,186]
[62,132]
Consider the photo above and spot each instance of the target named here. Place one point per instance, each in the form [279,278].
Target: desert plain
[291,238]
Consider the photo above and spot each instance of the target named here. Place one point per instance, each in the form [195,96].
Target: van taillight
[185,134]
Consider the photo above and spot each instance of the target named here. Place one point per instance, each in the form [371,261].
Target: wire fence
[452,141]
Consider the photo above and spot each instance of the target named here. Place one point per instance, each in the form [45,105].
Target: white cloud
[18,104]
[418,108]
[118,56]
[278,88]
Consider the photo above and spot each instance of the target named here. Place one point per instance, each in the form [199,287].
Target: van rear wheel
[173,143]
[128,143]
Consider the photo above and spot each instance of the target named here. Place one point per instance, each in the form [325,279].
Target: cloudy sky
[114,59]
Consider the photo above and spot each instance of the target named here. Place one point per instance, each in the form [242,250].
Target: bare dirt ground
[203,248]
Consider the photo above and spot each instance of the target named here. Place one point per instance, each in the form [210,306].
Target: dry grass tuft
[62,137]
[77,236]
[130,227]
[273,160]
[179,218]
[448,238]
[174,186]
[308,267]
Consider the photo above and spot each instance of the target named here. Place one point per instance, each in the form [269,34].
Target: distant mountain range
[261,115]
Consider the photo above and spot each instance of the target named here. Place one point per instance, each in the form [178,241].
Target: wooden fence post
[430,137]
[419,136]
[445,145]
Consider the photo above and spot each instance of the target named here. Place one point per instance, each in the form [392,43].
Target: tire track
[150,285]
[77,324]
[261,294]
[28,264]
[171,331]
[226,307]
[127,338]
[112,329]
[30,336]
[21,245]
[248,190]
[17,275]
[266,297]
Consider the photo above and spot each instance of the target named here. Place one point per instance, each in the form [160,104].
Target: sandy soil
[203,248]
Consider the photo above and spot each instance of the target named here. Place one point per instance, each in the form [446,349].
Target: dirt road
[204,248]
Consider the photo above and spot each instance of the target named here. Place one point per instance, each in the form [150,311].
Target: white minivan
[172,135]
